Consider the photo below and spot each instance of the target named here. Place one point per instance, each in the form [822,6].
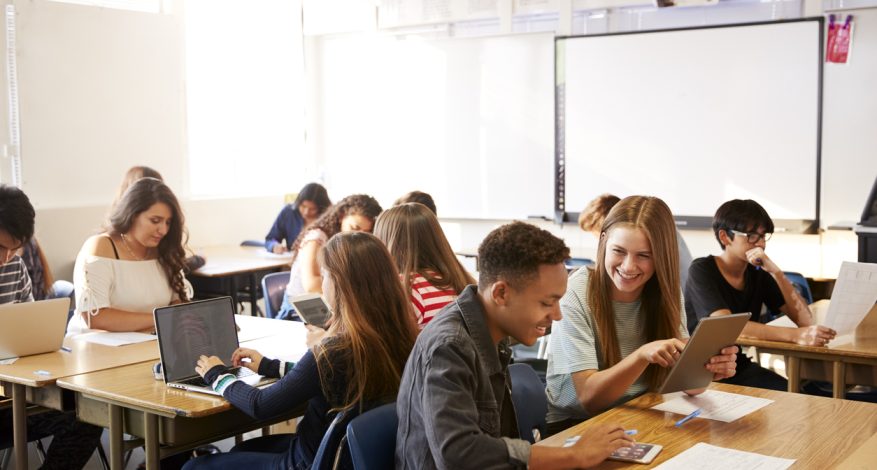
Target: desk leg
[793,370]
[839,380]
[19,425]
[254,301]
[116,451]
[151,437]
[233,291]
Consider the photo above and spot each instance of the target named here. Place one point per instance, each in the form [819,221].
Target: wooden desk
[24,385]
[129,399]
[21,381]
[229,263]
[852,357]
[818,432]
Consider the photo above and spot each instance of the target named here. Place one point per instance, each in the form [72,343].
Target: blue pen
[631,432]
[694,414]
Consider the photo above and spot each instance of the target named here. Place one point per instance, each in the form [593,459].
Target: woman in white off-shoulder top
[135,266]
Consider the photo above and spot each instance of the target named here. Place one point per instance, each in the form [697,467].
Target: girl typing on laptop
[357,365]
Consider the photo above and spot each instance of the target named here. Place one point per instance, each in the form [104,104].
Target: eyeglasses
[753,237]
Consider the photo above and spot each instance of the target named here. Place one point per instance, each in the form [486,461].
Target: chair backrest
[273,288]
[531,404]
[327,453]
[800,283]
[371,438]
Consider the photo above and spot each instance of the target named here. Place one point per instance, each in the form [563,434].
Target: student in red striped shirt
[419,247]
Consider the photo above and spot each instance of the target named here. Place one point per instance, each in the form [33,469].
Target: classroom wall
[103,89]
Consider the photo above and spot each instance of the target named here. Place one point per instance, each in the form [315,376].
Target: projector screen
[693,116]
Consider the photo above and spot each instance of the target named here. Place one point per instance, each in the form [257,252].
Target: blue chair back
[371,438]
[253,243]
[332,441]
[800,283]
[273,288]
[531,404]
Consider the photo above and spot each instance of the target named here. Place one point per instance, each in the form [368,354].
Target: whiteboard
[469,121]
[696,117]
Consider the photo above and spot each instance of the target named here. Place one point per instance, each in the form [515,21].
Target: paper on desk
[720,406]
[783,321]
[703,455]
[854,294]
[8,360]
[115,338]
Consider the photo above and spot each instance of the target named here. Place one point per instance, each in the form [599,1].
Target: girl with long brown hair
[623,322]
[429,269]
[135,265]
[358,365]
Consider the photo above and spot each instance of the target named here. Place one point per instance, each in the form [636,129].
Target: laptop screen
[187,331]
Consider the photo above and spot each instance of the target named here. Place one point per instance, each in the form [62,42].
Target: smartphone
[312,309]
[639,453]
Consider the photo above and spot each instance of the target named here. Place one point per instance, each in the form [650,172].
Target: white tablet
[711,336]
[312,309]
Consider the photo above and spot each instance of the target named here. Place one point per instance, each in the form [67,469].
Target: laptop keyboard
[238,372]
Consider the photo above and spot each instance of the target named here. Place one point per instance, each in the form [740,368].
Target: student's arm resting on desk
[297,385]
[792,303]
[277,233]
[456,439]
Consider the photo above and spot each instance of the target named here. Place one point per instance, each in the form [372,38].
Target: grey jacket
[454,405]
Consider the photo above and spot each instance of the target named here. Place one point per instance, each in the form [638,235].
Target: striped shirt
[428,299]
[575,347]
[15,284]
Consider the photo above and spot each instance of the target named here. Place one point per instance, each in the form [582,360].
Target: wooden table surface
[87,357]
[818,432]
[225,261]
[134,385]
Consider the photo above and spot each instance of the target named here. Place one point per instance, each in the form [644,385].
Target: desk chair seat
[531,404]
[371,438]
[274,288]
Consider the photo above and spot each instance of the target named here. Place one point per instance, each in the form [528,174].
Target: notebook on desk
[187,331]
[30,328]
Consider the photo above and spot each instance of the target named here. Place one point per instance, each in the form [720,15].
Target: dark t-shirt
[708,291]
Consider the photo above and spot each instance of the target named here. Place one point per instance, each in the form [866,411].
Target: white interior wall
[102,90]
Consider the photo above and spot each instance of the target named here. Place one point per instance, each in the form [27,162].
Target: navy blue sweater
[287,227]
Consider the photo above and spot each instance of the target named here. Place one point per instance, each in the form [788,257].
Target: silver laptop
[186,331]
[30,328]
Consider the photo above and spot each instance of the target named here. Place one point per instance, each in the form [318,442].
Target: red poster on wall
[840,39]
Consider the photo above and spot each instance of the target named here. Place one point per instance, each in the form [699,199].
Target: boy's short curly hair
[514,252]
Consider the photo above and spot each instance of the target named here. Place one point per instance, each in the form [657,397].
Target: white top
[295,286]
[136,286]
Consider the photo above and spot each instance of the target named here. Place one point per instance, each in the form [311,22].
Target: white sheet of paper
[703,455]
[783,322]
[854,294]
[8,360]
[115,338]
[720,406]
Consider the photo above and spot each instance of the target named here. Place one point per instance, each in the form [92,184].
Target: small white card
[720,406]
[107,338]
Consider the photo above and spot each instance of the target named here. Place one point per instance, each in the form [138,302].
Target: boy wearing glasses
[742,279]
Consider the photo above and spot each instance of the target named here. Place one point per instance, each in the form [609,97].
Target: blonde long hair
[372,328]
[418,245]
[661,298]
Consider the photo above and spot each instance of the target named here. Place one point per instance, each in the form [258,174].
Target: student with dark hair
[312,201]
[357,365]
[742,279]
[136,265]
[623,324]
[454,404]
[418,197]
[73,441]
